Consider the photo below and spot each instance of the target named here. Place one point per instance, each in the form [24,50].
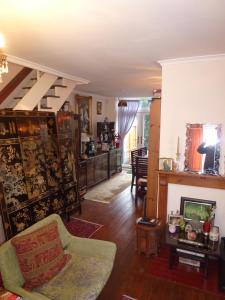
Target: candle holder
[177,162]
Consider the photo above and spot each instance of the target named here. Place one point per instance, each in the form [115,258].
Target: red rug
[185,274]
[82,228]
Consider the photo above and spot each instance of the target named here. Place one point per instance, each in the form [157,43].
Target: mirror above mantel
[202,149]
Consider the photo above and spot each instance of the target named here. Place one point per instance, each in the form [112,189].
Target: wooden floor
[130,275]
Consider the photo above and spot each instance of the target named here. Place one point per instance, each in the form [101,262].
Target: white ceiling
[113,43]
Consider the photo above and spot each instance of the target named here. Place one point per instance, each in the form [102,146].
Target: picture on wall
[165,164]
[99,108]
[197,208]
[83,108]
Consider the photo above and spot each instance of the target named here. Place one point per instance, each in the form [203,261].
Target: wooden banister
[10,87]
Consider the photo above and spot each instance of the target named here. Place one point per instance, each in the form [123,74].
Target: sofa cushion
[40,255]
[82,279]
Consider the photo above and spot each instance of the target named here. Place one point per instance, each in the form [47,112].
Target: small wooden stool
[148,238]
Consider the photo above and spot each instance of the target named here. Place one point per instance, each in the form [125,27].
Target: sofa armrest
[92,247]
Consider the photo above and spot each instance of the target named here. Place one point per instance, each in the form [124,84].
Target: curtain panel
[126,116]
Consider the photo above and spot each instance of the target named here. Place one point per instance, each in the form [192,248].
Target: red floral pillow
[40,254]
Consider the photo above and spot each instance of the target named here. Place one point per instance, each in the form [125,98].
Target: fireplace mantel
[184,178]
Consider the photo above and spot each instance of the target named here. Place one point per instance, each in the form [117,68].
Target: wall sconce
[122,103]
[3,58]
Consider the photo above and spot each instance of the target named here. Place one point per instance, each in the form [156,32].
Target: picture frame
[99,107]
[174,219]
[198,208]
[165,164]
[83,105]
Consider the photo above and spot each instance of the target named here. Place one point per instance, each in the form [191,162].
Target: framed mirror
[202,149]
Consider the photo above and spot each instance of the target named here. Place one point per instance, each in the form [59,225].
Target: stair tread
[51,96]
[58,85]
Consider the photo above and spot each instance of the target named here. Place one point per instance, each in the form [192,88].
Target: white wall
[176,191]
[192,92]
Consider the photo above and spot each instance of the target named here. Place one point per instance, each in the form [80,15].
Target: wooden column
[153,162]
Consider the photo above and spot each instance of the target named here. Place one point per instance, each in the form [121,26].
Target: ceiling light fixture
[122,103]
[3,58]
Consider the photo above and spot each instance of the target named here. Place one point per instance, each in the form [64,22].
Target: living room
[108,55]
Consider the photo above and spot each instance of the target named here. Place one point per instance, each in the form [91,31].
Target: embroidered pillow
[40,254]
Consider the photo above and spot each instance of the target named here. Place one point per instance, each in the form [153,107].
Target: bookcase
[37,168]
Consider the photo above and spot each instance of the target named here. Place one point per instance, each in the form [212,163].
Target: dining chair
[134,154]
[141,176]
[142,151]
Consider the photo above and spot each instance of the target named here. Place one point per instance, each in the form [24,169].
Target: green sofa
[83,278]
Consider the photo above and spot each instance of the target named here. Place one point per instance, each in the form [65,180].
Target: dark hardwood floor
[130,274]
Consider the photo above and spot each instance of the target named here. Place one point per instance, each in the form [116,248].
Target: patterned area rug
[82,228]
[106,191]
[185,274]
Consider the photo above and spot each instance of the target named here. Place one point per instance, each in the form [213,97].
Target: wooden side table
[148,238]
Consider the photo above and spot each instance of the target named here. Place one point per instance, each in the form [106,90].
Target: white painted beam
[39,89]
[63,93]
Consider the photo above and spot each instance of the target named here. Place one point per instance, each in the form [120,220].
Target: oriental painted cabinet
[68,141]
[34,179]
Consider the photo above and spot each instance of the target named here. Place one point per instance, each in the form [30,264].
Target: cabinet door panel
[82,175]
[90,172]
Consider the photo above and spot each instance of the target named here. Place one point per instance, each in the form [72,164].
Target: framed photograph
[197,209]
[174,219]
[83,106]
[99,108]
[165,164]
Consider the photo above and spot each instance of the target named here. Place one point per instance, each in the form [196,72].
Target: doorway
[138,135]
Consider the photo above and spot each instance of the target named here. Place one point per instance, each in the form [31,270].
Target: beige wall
[192,92]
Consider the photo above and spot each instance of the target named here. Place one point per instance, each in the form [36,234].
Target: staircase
[41,90]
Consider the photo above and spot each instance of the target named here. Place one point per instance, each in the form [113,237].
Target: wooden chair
[142,151]
[134,153]
[141,176]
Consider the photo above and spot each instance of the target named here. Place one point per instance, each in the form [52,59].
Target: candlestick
[178,145]
[177,162]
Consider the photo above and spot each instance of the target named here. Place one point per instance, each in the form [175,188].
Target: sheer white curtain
[126,116]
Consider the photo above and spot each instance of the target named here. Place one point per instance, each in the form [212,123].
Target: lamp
[122,103]
[3,58]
